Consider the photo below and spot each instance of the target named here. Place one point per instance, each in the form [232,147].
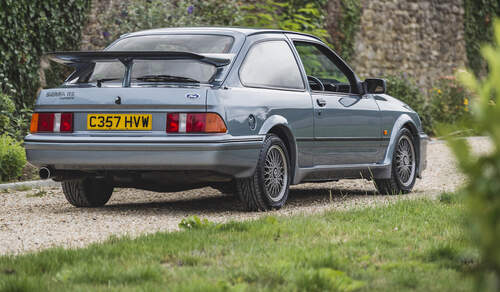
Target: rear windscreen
[109,73]
[195,43]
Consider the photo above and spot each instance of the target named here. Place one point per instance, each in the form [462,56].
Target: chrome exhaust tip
[44,173]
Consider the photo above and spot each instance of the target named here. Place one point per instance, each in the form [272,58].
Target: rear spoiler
[81,60]
[72,58]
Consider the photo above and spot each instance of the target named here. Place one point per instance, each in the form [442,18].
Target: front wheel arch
[403,121]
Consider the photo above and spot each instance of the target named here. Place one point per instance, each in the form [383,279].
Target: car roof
[215,29]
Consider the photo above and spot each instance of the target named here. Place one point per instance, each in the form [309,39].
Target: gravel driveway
[36,219]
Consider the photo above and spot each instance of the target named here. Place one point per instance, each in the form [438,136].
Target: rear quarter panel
[239,103]
[269,107]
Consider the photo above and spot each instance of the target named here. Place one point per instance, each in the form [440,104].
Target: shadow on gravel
[228,203]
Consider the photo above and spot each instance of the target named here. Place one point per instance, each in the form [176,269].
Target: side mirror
[374,85]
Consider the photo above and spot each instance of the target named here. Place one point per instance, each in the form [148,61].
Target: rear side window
[271,64]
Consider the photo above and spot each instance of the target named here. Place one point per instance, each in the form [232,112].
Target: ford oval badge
[192,95]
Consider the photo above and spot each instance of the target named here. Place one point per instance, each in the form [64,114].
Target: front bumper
[234,156]
[423,141]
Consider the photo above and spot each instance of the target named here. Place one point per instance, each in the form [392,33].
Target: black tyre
[88,192]
[268,187]
[404,166]
[226,187]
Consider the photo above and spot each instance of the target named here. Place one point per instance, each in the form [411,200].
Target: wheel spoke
[275,173]
[404,161]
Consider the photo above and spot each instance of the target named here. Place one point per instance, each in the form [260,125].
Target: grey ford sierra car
[247,111]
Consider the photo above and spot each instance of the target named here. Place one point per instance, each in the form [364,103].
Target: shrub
[483,170]
[409,92]
[7,109]
[303,16]
[134,15]
[12,158]
[11,122]
[449,102]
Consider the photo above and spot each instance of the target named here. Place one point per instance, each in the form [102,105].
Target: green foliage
[12,158]
[194,222]
[134,15]
[446,103]
[7,109]
[11,122]
[293,15]
[449,104]
[447,198]
[478,30]
[326,279]
[483,170]
[409,92]
[345,27]
[28,29]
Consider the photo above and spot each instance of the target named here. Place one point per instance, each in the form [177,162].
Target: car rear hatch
[121,111]
[123,108]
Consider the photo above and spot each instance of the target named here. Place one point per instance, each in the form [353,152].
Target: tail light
[195,123]
[51,123]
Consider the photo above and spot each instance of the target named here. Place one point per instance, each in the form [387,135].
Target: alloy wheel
[275,173]
[405,160]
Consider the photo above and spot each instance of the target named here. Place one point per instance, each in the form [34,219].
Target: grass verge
[409,245]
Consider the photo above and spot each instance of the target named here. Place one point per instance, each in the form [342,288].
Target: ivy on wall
[344,17]
[479,16]
[293,15]
[28,29]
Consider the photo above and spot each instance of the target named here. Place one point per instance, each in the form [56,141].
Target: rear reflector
[195,123]
[51,123]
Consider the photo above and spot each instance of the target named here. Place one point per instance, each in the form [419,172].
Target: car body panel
[342,140]
[346,129]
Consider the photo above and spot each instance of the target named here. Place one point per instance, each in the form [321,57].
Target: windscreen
[147,71]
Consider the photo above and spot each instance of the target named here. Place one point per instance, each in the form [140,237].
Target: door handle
[321,102]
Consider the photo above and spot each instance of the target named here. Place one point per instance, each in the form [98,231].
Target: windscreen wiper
[100,81]
[166,78]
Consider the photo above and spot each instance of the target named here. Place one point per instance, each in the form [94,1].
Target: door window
[271,64]
[322,73]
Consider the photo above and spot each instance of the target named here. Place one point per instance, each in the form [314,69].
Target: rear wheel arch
[285,134]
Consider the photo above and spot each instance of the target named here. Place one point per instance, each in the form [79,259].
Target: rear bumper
[423,141]
[227,155]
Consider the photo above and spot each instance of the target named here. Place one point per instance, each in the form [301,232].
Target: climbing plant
[294,15]
[478,18]
[343,25]
[28,29]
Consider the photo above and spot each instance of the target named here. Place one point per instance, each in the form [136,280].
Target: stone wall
[422,39]
[419,39]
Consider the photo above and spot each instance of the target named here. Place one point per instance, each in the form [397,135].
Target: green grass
[37,194]
[410,245]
